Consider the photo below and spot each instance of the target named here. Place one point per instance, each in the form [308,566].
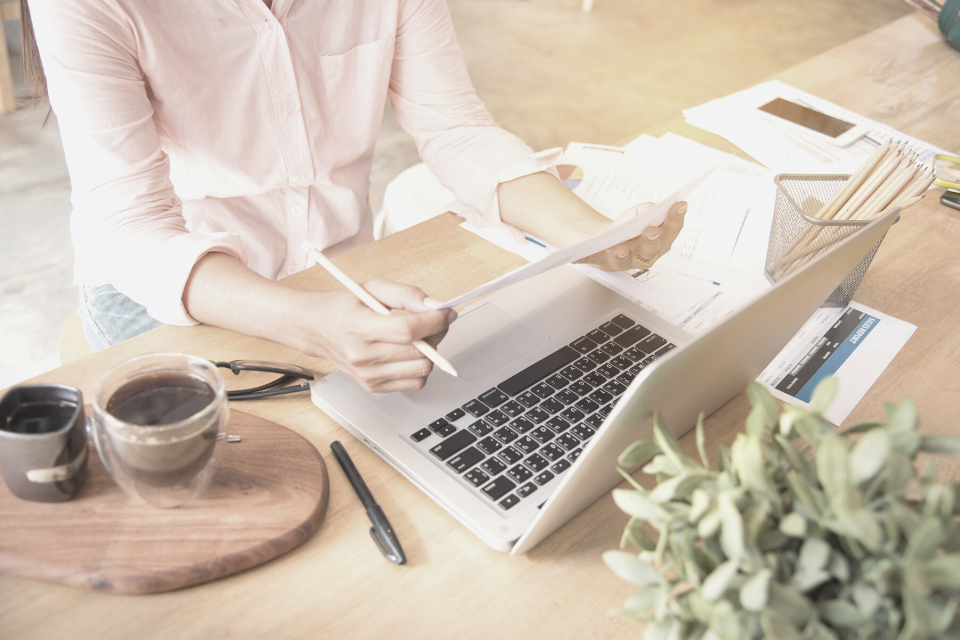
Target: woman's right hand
[376,350]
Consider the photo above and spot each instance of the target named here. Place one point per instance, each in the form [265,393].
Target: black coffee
[40,417]
[160,398]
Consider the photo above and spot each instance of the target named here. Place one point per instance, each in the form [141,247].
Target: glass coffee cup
[159,423]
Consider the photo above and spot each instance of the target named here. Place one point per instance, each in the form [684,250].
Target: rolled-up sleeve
[434,100]
[127,224]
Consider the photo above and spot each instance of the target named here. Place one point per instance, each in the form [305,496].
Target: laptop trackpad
[487,338]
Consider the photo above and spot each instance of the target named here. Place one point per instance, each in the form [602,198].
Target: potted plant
[797,531]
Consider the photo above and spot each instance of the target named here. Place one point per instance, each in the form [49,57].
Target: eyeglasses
[287,372]
[946,170]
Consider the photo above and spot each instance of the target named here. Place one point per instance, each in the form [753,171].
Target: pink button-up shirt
[222,125]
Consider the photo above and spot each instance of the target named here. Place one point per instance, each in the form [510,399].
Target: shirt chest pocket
[355,87]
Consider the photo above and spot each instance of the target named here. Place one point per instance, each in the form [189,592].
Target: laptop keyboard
[523,434]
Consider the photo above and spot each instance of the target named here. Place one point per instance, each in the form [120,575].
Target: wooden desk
[338,586]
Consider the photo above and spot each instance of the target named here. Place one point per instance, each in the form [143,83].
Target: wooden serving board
[268,497]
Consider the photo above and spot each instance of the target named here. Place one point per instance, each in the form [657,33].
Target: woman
[206,141]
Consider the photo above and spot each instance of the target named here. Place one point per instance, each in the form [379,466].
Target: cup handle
[60,473]
[95,436]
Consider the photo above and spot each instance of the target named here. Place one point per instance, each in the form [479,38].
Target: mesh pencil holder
[796,237]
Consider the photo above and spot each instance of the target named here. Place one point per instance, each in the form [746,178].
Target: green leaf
[643,599]
[840,613]
[639,506]
[790,604]
[635,534]
[794,525]
[747,454]
[660,630]
[793,455]
[664,437]
[944,618]
[943,445]
[702,443]
[662,464]
[731,533]
[633,482]
[814,555]
[906,442]
[922,545]
[759,396]
[637,454]
[899,471]
[903,416]
[824,393]
[631,568]
[724,621]
[939,501]
[863,427]
[699,503]
[862,526]
[755,422]
[804,492]
[832,463]
[806,582]
[777,628]
[866,598]
[943,572]
[839,568]
[709,524]
[868,455]
[755,592]
[718,580]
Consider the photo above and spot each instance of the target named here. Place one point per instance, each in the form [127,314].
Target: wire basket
[797,237]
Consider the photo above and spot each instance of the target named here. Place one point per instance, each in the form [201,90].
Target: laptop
[558,375]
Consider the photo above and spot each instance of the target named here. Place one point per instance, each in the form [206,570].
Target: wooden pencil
[853,183]
[869,187]
[887,191]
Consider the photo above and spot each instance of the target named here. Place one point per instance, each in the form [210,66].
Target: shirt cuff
[545,161]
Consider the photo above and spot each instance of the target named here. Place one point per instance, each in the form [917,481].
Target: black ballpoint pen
[381,531]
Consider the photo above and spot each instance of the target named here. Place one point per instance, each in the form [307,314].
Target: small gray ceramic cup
[43,442]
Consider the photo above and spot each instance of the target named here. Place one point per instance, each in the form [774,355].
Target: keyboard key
[622,363]
[599,336]
[559,466]
[497,418]
[651,343]
[611,348]
[626,377]
[584,345]
[573,455]
[631,336]
[609,371]
[536,462]
[571,372]
[568,441]
[526,490]
[637,368]
[520,473]
[633,354]
[498,488]
[509,502]
[489,445]
[581,387]
[512,408]
[557,424]
[527,399]
[587,405]
[505,435]
[542,390]
[598,356]
[455,415]
[480,428]
[521,425]
[541,434]
[665,348]
[600,396]
[650,358]
[493,398]
[536,415]
[420,435]
[551,406]
[594,421]
[475,408]
[543,478]
[583,432]
[493,467]
[476,477]
[453,444]
[585,364]
[595,379]
[557,381]
[446,430]
[572,414]
[465,459]
[510,455]
[622,321]
[526,444]
[567,397]
[605,411]
[611,329]
[551,452]
[614,387]
[436,425]
[538,371]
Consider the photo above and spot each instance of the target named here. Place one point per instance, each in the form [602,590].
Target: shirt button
[290,106]
[296,211]
[271,26]
[292,270]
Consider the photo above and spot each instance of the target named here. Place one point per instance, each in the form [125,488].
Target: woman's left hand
[642,251]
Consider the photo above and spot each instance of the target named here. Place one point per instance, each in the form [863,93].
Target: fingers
[672,225]
[649,247]
[396,295]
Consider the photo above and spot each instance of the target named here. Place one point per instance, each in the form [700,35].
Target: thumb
[631,212]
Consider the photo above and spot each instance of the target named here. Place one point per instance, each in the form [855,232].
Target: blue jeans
[110,317]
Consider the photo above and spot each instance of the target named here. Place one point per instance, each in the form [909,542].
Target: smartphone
[951,199]
[839,131]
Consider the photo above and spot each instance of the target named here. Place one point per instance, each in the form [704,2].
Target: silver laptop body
[501,337]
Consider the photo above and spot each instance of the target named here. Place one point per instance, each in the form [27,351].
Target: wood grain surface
[268,496]
[337,585]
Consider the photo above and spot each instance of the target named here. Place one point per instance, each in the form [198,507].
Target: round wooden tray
[268,497]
